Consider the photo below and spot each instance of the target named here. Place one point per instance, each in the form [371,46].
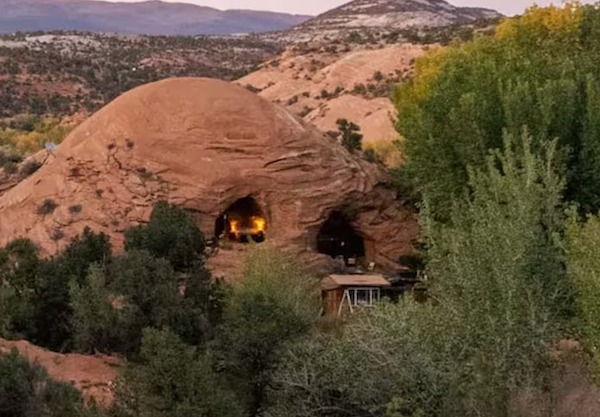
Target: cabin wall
[332,300]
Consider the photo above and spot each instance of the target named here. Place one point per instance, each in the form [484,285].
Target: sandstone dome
[203,144]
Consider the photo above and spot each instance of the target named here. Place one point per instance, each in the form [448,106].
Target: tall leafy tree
[273,307]
[538,72]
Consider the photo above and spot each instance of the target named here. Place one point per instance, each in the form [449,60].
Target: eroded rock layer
[203,144]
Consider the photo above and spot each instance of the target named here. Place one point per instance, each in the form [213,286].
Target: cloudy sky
[318,6]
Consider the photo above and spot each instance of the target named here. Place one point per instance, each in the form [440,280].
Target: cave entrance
[338,238]
[242,222]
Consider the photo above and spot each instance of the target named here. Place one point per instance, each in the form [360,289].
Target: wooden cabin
[345,293]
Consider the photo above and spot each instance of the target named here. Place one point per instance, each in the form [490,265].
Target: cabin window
[363,297]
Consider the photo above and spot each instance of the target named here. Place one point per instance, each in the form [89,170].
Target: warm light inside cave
[243,221]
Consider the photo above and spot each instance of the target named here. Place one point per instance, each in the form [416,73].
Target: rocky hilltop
[204,144]
[398,14]
[325,85]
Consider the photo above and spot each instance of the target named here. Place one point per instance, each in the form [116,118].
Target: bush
[173,380]
[26,390]
[501,299]
[350,133]
[272,308]
[29,168]
[370,155]
[583,264]
[47,207]
[171,234]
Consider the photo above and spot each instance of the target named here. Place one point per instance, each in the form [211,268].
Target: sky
[314,7]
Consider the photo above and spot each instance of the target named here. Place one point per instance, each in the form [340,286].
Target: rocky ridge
[397,14]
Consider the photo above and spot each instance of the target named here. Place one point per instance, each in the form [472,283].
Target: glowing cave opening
[338,238]
[242,222]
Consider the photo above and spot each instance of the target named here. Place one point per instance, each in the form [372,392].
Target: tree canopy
[538,74]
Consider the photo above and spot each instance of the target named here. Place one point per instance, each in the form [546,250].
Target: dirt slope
[94,376]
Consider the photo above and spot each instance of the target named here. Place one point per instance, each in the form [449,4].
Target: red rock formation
[203,144]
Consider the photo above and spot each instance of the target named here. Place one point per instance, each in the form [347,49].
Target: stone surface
[94,376]
[202,144]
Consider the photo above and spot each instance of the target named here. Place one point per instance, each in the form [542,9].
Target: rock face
[298,81]
[203,144]
[94,376]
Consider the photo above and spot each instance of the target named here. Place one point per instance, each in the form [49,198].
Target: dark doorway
[243,221]
[338,238]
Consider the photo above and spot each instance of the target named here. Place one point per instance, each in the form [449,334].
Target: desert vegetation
[64,73]
[501,160]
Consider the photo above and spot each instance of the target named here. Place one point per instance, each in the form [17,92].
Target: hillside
[398,14]
[149,17]
[332,83]
[68,73]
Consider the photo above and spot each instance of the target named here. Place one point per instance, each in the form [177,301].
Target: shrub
[170,234]
[29,168]
[272,308]
[370,155]
[173,379]
[583,265]
[502,298]
[47,207]
[26,390]
[351,136]
[75,209]
[10,168]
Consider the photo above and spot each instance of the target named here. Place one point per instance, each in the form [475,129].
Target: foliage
[273,307]
[171,234]
[389,361]
[26,391]
[27,133]
[497,268]
[52,300]
[99,322]
[172,379]
[583,264]
[351,136]
[501,298]
[538,71]
[79,72]
[47,207]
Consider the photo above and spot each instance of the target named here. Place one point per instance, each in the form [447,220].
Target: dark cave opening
[338,238]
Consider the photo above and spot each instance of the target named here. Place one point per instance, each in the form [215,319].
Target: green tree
[19,263]
[274,306]
[497,269]
[172,379]
[351,136]
[501,294]
[99,322]
[538,71]
[52,301]
[171,234]
[583,265]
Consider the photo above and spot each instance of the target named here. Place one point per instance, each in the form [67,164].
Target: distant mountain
[398,14]
[149,17]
